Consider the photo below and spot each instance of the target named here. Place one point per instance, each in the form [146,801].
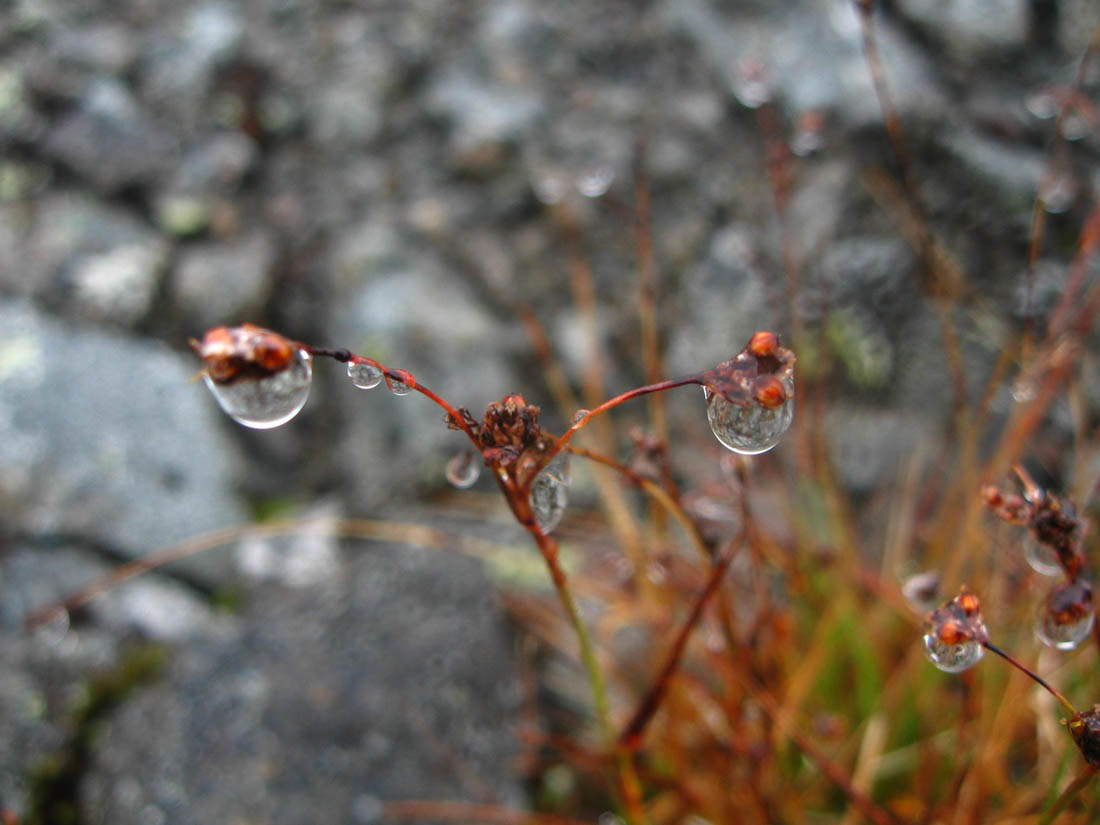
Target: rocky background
[394,177]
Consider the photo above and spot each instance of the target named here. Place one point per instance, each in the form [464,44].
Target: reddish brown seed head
[769,391]
[763,344]
[992,496]
[246,351]
[968,602]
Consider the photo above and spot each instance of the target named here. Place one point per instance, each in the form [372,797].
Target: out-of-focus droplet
[364,376]
[579,414]
[464,469]
[1075,125]
[1058,192]
[1023,389]
[549,184]
[952,658]
[751,428]
[809,135]
[397,387]
[1041,558]
[51,630]
[1042,105]
[922,590]
[268,401]
[550,493]
[594,179]
[1066,616]
[750,86]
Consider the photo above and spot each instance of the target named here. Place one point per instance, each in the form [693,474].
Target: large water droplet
[1066,616]
[1043,559]
[952,658]
[364,376]
[464,469]
[397,387]
[752,428]
[549,493]
[262,403]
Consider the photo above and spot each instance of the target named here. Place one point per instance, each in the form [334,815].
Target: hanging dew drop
[952,658]
[578,415]
[464,469]
[549,493]
[1041,558]
[364,376]
[751,428]
[397,387]
[1066,617]
[267,401]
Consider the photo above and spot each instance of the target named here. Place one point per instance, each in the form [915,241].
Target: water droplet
[595,179]
[464,469]
[549,493]
[579,414]
[1059,191]
[952,658]
[364,376]
[750,86]
[53,627]
[752,428]
[1043,559]
[1024,390]
[1066,617]
[954,634]
[262,403]
[549,185]
[1042,105]
[922,590]
[1075,126]
[397,387]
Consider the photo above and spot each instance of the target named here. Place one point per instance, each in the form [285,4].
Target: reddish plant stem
[632,733]
[1020,666]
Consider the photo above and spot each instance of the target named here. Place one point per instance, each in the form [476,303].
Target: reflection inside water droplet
[751,428]
[397,387]
[262,403]
[1066,616]
[1041,558]
[952,658]
[549,493]
[364,376]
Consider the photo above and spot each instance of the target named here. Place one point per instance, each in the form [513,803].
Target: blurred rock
[107,438]
[393,680]
[222,282]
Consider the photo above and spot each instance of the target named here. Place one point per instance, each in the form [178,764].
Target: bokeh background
[417,181]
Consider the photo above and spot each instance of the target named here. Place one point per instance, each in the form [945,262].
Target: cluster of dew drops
[268,398]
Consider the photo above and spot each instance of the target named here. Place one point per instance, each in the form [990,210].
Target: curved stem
[404,376]
[660,386]
[1012,660]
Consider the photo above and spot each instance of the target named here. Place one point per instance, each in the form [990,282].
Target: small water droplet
[1066,616]
[1059,193]
[1075,126]
[464,469]
[397,387]
[1023,390]
[1041,558]
[364,376]
[262,403]
[595,179]
[922,590]
[579,414]
[549,493]
[952,658]
[750,86]
[53,627]
[1042,105]
[550,185]
[749,429]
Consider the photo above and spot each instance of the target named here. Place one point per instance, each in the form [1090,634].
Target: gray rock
[393,680]
[106,438]
[110,141]
[222,282]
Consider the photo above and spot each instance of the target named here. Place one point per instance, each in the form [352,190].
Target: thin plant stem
[1068,795]
[1016,663]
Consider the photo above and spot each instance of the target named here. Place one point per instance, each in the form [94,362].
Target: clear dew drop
[364,376]
[922,590]
[1042,559]
[262,403]
[550,493]
[578,415]
[1062,635]
[594,179]
[750,429]
[397,387]
[464,469]
[952,658]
